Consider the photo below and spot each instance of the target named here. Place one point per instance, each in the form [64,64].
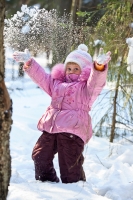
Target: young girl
[66,125]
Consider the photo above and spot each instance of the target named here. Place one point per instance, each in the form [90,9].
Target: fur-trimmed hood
[58,72]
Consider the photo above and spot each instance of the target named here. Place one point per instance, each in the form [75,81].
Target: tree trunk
[113,125]
[5,117]
[114,111]
[76,6]
[63,6]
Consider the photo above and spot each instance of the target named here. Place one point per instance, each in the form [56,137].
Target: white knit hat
[79,56]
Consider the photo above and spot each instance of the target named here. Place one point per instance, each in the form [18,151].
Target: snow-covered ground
[108,166]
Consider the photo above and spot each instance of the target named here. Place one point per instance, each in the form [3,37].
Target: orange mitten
[99,67]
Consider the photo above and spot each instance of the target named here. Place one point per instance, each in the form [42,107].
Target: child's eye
[76,69]
[69,69]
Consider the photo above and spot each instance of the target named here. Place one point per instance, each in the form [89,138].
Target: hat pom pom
[83,47]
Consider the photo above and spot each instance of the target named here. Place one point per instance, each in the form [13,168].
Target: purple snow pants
[69,148]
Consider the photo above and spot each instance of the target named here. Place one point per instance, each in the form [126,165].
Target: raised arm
[35,71]
[97,78]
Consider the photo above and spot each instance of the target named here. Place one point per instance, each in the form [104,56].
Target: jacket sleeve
[39,76]
[95,83]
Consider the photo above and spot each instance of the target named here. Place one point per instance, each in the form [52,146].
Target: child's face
[73,68]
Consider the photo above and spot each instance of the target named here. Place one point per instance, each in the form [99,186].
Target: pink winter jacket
[71,101]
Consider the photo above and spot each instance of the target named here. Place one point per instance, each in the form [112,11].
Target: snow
[25,29]
[108,166]
[97,42]
[129,41]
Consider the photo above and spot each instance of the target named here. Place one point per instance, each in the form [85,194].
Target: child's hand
[103,58]
[22,56]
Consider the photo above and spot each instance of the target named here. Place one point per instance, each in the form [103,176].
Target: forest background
[96,23]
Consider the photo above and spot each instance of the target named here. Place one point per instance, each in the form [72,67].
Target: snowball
[96,42]
[25,29]
[20,14]
[23,8]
